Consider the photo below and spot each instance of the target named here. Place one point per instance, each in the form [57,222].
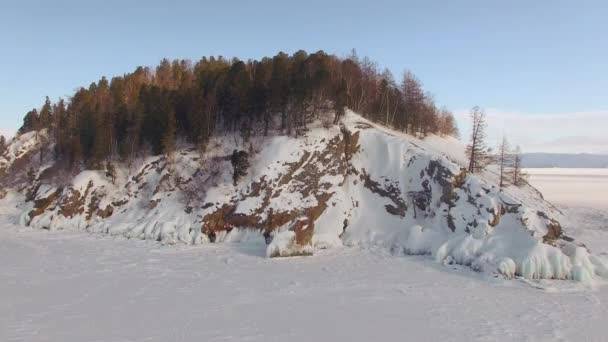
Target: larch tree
[477,149]
[413,102]
[518,176]
[387,86]
[504,161]
[446,123]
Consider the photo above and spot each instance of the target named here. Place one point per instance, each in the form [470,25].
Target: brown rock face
[388,190]
[554,232]
[71,204]
[302,176]
[42,204]
[554,229]
[304,230]
[105,213]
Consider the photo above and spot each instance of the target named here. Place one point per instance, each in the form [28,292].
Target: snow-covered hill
[353,184]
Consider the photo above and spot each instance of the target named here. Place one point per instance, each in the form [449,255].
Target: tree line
[145,111]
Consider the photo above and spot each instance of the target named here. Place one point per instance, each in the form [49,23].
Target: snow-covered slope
[356,184]
[24,152]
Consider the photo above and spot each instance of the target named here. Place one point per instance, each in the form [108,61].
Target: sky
[539,68]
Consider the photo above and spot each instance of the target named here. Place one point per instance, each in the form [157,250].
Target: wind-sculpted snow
[356,184]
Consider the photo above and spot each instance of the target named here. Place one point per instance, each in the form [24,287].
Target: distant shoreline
[568,172]
[565,160]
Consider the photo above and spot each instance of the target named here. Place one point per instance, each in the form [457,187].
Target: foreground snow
[72,286]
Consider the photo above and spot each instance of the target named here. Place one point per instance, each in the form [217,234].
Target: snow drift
[356,184]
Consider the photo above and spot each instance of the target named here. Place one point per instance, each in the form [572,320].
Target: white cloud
[578,132]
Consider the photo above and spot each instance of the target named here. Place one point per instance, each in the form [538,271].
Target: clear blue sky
[528,57]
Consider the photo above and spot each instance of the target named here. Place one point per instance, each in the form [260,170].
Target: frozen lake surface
[572,187]
[582,194]
[67,286]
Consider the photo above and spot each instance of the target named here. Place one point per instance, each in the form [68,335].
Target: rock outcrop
[353,184]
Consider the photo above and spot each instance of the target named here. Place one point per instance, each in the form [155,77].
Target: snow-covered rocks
[284,244]
[354,184]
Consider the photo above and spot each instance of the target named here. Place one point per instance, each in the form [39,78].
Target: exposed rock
[284,244]
[554,232]
[71,204]
[105,213]
[304,230]
[388,190]
[42,204]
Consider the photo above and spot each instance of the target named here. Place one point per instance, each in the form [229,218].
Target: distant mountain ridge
[565,160]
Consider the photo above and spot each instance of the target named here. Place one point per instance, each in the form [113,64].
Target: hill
[352,184]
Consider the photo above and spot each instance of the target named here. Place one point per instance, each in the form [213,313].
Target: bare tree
[504,160]
[447,123]
[518,176]
[413,102]
[477,149]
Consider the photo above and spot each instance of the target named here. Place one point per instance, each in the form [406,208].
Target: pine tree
[104,145]
[73,146]
[477,149]
[2,145]
[45,120]
[168,139]
[234,98]
[46,114]
[59,128]
[261,92]
[31,122]
[279,89]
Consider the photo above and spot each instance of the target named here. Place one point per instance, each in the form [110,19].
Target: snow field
[72,286]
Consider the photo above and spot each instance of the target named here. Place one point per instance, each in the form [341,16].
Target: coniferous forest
[149,110]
